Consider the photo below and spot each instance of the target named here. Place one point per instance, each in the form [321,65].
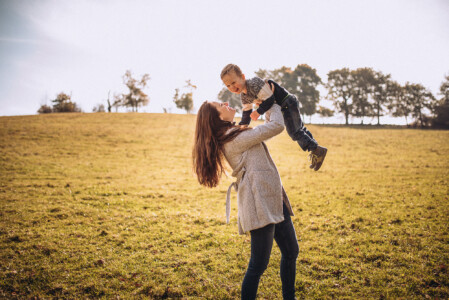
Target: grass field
[106,206]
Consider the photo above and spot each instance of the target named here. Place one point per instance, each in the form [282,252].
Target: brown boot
[312,159]
[317,157]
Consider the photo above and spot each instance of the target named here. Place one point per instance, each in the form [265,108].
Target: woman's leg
[261,244]
[285,237]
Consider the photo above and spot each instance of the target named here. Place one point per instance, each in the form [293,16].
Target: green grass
[106,205]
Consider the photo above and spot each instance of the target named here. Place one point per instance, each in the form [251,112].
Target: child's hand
[255,115]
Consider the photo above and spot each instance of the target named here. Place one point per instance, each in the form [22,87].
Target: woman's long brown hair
[210,138]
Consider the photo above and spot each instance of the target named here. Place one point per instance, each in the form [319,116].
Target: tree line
[359,93]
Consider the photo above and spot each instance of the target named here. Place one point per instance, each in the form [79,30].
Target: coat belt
[234,185]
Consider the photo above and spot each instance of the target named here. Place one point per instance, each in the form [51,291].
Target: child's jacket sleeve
[266,105]
[263,107]
[246,117]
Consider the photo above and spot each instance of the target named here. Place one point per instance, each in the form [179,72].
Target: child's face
[236,84]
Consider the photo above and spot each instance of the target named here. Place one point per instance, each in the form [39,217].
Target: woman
[263,206]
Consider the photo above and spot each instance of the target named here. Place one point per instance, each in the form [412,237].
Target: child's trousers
[295,126]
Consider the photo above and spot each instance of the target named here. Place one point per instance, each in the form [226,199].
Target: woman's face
[226,112]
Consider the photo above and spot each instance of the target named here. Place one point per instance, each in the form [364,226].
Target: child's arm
[246,119]
[247,109]
[267,103]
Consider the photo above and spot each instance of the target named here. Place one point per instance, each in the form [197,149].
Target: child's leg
[305,129]
[295,126]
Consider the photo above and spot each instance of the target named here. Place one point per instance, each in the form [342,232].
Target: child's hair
[231,68]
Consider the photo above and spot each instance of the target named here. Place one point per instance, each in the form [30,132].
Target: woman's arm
[247,139]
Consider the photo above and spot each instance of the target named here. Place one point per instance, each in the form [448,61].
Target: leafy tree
[363,89]
[136,97]
[63,103]
[234,100]
[301,82]
[398,104]
[281,76]
[284,76]
[381,93]
[185,101]
[340,86]
[325,112]
[265,74]
[420,98]
[307,81]
[444,88]
[441,110]
[288,79]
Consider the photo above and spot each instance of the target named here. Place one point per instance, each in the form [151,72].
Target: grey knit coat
[259,189]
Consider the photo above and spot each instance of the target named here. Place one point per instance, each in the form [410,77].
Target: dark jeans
[295,127]
[261,243]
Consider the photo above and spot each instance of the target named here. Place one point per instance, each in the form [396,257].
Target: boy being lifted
[257,91]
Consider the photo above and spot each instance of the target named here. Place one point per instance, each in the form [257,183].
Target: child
[257,91]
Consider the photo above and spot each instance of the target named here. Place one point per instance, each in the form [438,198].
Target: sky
[83,48]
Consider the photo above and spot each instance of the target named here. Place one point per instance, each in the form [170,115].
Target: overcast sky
[85,47]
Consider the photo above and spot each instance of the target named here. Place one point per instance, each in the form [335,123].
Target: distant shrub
[45,109]
[99,108]
[62,103]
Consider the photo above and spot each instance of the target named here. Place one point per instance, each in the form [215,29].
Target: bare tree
[109,102]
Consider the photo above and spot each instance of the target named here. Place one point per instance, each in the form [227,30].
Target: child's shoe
[312,159]
[317,157]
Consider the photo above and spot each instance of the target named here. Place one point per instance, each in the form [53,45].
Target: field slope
[106,205]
